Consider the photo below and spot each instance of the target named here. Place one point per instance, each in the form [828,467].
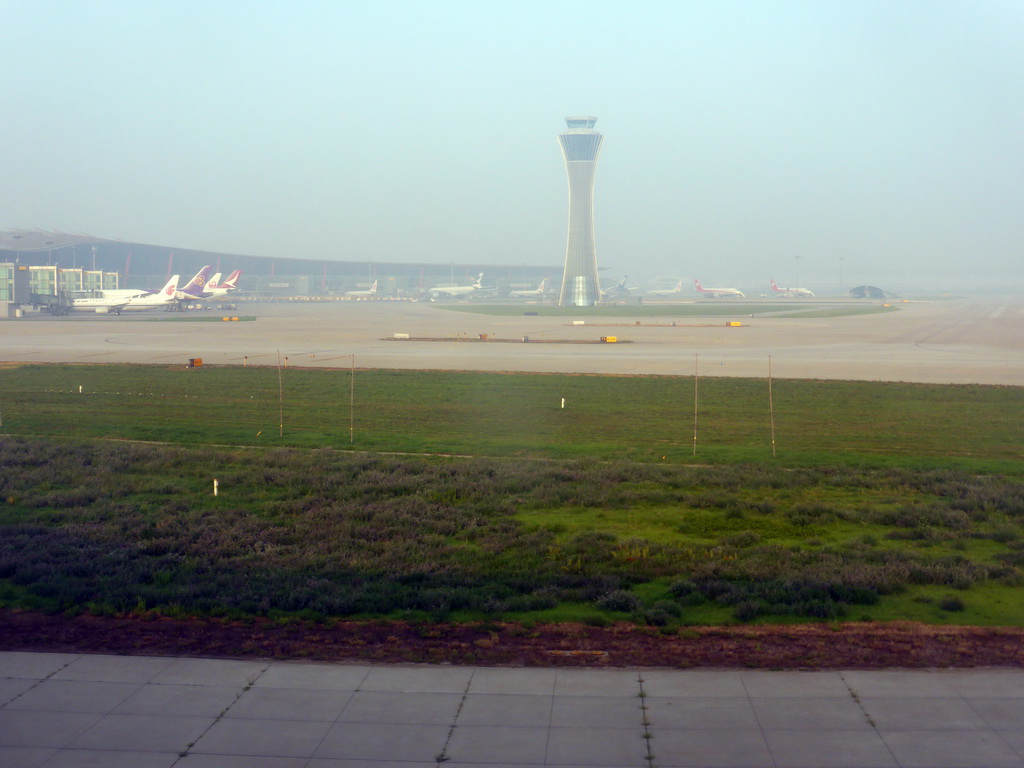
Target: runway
[954,341]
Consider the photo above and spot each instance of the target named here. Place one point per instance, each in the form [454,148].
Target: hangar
[870,292]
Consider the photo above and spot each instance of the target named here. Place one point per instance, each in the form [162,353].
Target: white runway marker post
[771,404]
[280,397]
[695,365]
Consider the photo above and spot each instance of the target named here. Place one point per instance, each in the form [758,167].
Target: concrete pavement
[955,342]
[59,710]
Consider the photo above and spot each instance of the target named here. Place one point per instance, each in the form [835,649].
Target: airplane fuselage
[459,290]
[100,305]
[793,293]
[718,293]
[667,291]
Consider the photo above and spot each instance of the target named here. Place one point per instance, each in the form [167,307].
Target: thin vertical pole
[280,397]
[771,404]
[695,405]
[352,403]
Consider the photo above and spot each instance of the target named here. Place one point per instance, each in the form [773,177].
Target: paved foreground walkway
[141,712]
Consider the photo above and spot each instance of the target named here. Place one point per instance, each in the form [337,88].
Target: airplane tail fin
[194,287]
[231,281]
[774,286]
[479,280]
[698,285]
[373,288]
[213,282]
[168,290]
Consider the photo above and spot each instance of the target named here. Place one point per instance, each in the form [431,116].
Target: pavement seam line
[870,720]
[647,735]
[442,756]
[757,719]
[40,681]
[248,686]
[991,728]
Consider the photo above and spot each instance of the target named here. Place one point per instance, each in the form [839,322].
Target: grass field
[643,418]
[886,501]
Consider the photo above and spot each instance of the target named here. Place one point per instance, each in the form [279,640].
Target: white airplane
[667,291]
[718,293]
[538,291]
[193,289]
[231,284]
[123,293]
[148,300]
[211,286]
[459,290]
[619,289]
[100,304]
[791,292]
[116,301]
[217,288]
[371,292]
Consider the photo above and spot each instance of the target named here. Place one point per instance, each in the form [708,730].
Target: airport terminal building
[59,261]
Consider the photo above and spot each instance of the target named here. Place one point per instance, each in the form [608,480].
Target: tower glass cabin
[581,145]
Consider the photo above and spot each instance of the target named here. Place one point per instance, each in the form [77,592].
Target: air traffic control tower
[581,145]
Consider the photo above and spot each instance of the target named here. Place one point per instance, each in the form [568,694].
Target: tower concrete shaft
[581,145]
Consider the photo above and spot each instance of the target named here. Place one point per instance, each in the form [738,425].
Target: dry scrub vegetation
[124,528]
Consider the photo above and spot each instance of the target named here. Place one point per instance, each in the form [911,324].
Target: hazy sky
[743,140]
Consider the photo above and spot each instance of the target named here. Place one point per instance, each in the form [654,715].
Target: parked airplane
[718,293]
[100,304]
[538,291]
[619,289]
[371,292]
[193,289]
[116,301]
[162,298]
[216,287]
[210,289]
[791,292]
[459,290]
[667,291]
[231,284]
[122,293]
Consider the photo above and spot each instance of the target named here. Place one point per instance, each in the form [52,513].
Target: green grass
[111,526]
[886,501]
[643,418]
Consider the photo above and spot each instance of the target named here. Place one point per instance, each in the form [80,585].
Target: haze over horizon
[743,140]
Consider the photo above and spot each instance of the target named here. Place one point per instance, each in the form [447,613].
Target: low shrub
[951,604]
[657,617]
[619,600]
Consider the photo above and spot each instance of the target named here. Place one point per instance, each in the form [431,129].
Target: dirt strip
[817,646]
